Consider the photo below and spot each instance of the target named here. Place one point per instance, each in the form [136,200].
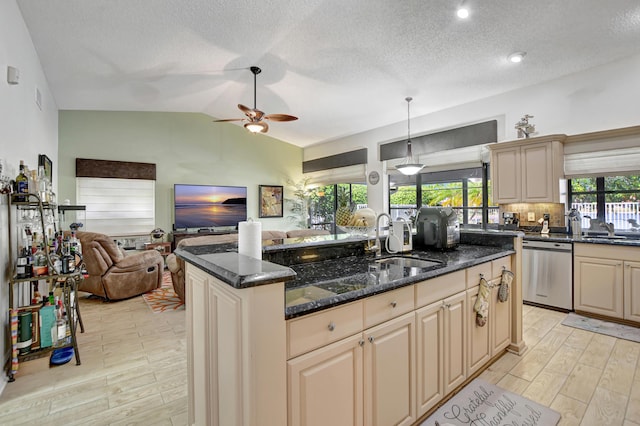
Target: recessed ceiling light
[516,57]
[463,12]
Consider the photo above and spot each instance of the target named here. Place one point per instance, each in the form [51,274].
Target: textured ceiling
[343,67]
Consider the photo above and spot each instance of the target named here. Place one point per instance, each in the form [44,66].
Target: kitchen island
[341,338]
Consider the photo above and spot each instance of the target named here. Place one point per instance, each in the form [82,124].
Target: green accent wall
[187,148]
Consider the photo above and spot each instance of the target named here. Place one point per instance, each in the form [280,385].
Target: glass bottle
[22,183]
[40,266]
[43,190]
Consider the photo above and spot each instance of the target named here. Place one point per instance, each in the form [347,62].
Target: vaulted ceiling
[341,66]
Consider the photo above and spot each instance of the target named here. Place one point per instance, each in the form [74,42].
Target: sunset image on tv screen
[208,206]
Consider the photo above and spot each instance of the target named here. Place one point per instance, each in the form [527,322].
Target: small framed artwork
[44,161]
[270,201]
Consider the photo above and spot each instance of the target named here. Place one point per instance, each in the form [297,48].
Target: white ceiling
[342,66]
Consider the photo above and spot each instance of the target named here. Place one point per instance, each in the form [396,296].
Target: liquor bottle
[40,266]
[43,185]
[33,181]
[22,184]
[23,268]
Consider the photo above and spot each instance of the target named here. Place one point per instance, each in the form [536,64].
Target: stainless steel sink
[410,262]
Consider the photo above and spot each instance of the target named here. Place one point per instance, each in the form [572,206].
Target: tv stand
[180,235]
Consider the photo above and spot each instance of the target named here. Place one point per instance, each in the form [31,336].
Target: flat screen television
[209,206]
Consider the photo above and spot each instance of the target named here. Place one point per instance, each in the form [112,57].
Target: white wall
[25,130]
[602,98]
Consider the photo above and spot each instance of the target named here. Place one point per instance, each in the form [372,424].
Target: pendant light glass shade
[409,167]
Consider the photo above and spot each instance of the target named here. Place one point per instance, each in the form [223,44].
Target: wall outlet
[531,217]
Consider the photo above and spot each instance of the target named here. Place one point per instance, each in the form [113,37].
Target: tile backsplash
[556,211]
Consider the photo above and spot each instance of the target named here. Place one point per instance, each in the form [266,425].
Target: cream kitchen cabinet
[441,354]
[632,291]
[326,385]
[367,378]
[228,384]
[527,170]
[607,280]
[491,339]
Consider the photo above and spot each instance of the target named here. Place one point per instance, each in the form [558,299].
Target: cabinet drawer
[499,264]
[316,330]
[439,288]
[388,305]
[474,273]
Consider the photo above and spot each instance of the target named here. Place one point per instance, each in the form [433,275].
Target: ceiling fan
[254,117]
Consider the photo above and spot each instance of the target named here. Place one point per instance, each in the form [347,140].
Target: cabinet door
[505,176]
[390,373]
[598,286]
[537,173]
[500,320]
[632,291]
[455,367]
[430,356]
[479,348]
[325,385]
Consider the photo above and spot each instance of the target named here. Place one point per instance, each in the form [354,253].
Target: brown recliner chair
[114,275]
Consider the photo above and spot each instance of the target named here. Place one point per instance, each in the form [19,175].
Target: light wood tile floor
[134,372]
[589,378]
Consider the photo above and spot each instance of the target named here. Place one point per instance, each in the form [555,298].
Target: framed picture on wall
[270,201]
[44,161]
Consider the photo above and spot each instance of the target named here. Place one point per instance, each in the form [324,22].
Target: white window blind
[117,206]
[349,174]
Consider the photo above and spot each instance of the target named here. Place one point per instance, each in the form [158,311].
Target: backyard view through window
[326,200]
[612,199]
[461,190]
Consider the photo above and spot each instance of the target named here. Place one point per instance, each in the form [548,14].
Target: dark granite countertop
[321,285]
[632,240]
[313,286]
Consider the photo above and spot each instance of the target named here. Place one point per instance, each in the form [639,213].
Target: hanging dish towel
[481,307]
[505,282]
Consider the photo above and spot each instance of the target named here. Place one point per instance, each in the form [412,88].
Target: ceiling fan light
[255,127]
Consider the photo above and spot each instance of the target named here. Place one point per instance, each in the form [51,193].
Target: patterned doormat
[613,329]
[163,298]
[481,403]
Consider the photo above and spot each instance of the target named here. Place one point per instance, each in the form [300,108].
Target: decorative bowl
[357,230]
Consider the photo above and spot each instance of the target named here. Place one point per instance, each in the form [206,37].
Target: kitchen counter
[313,286]
[619,240]
[246,340]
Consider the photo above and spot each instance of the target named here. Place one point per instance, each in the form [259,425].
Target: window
[117,206]
[465,190]
[325,200]
[613,199]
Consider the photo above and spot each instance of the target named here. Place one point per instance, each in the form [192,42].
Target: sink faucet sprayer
[378,245]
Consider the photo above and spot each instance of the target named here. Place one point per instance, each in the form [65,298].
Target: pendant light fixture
[409,167]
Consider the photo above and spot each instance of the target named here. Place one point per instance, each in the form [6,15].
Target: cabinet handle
[331,326]
[394,304]
[361,342]
[371,339]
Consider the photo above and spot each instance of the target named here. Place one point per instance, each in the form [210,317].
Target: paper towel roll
[250,239]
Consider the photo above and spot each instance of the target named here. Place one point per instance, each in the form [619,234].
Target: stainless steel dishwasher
[547,274]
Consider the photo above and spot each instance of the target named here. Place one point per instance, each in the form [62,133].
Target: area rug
[481,403]
[164,298]
[613,329]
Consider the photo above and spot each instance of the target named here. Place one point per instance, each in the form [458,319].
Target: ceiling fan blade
[266,127]
[280,117]
[248,111]
[229,119]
